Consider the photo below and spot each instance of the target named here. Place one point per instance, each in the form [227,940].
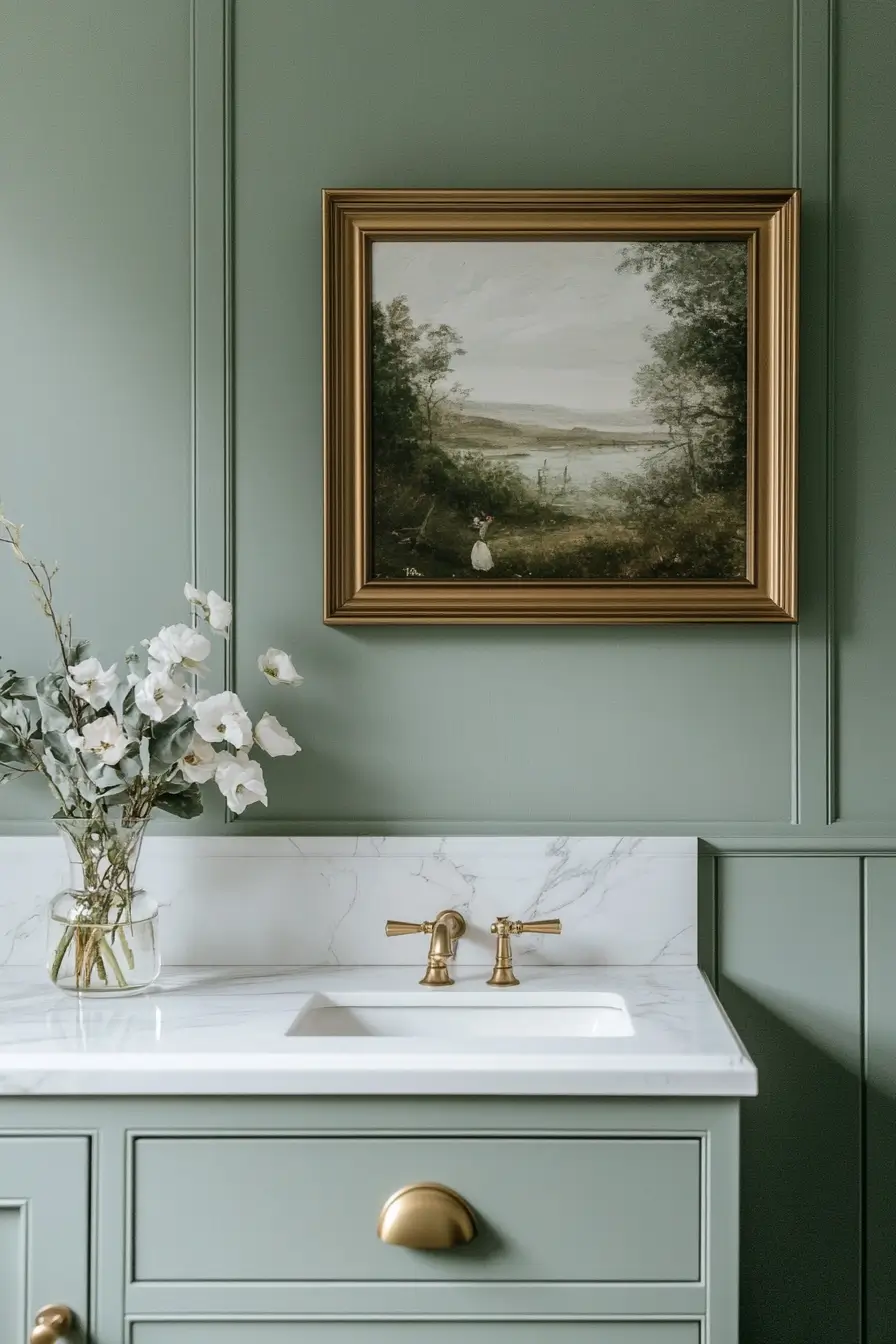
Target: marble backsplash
[268,901]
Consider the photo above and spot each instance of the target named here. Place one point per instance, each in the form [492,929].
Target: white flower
[277,666]
[241,782]
[89,682]
[216,609]
[106,738]
[178,646]
[221,718]
[200,762]
[273,738]
[158,697]
[220,612]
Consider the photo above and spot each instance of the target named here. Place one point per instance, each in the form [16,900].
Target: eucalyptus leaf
[19,688]
[11,754]
[130,717]
[86,790]
[102,775]
[60,777]
[20,716]
[184,803]
[8,736]
[131,767]
[54,716]
[62,749]
[107,779]
[77,652]
[169,741]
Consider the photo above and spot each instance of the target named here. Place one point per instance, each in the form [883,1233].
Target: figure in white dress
[481,556]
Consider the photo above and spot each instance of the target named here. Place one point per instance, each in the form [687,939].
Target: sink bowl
[431,1014]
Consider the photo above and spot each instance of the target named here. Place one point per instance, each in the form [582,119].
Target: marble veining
[224,1032]
[315,900]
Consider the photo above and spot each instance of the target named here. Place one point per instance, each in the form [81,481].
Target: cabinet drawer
[302,1209]
[415,1332]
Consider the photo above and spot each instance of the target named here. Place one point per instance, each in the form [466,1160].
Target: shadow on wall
[801,1233]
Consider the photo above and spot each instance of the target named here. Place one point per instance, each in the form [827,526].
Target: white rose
[273,738]
[200,762]
[158,697]
[241,782]
[221,718]
[89,682]
[216,609]
[278,667]
[178,646]
[106,738]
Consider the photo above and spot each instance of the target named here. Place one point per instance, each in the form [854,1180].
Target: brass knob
[426,1217]
[51,1324]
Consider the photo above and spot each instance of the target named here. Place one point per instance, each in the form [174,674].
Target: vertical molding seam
[795,669]
[194,371]
[863,1101]
[832,754]
[227,206]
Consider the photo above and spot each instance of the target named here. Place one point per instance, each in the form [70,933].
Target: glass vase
[103,935]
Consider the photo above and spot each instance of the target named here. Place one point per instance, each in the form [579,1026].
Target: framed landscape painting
[560,406]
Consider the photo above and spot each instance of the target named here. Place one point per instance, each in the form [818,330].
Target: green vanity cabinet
[415,1332]
[44,1228]
[205,1220]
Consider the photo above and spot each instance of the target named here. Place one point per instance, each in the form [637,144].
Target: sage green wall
[160,368]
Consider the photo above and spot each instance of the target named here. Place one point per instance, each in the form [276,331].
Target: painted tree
[696,384]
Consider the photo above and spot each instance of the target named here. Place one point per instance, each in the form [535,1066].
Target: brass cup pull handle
[51,1324]
[426,1217]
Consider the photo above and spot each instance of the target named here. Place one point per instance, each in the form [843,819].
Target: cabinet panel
[790,945]
[600,1210]
[44,1229]
[880,1102]
[415,1332]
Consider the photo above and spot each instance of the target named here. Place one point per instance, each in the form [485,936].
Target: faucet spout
[446,928]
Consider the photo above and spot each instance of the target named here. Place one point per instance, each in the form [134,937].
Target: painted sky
[544,322]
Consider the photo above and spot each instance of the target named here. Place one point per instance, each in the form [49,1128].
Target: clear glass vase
[103,935]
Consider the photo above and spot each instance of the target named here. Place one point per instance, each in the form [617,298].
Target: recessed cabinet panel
[415,1332]
[44,1229]
[300,1209]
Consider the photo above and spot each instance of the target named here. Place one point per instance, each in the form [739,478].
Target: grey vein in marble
[324,900]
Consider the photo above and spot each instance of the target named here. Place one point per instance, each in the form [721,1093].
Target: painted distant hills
[629,420]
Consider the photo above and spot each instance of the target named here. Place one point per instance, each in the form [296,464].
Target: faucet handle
[539,926]
[396,927]
[502,971]
[504,925]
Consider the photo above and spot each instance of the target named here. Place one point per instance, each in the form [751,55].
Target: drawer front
[415,1332]
[306,1209]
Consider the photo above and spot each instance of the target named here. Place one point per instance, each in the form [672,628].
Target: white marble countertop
[224,1032]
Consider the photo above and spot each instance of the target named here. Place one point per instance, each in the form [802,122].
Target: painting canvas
[559,409]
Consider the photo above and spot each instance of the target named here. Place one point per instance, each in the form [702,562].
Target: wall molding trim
[212,310]
[814,778]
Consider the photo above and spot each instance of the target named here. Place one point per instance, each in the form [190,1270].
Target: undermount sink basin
[440,1015]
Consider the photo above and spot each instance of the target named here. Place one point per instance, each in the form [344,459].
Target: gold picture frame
[766,221]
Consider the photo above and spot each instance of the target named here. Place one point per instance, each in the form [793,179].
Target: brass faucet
[445,930]
[502,971]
